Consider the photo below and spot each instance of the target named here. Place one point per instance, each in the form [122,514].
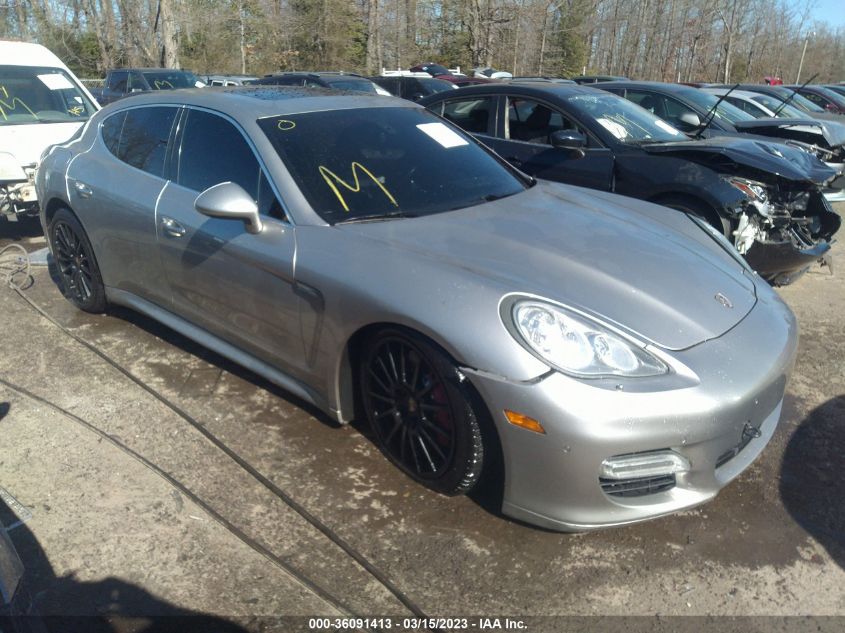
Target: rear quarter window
[139,137]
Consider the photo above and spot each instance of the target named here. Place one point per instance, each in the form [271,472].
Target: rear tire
[81,282]
[421,411]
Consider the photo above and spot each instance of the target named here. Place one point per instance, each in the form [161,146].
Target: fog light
[652,464]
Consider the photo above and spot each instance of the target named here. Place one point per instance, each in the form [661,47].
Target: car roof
[257,101]
[743,94]
[528,88]
[150,69]
[654,85]
[28,54]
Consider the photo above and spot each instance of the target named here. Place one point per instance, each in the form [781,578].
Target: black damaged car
[763,196]
[700,113]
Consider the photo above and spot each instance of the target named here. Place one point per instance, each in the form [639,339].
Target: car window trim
[177,156]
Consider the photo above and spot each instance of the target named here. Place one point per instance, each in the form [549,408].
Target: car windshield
[33,94]
[773,103]
[625,120]
[724,111]
[797,100]
[433,86]
[381,162]
[171,79]
[436,69]
[832,95]
[349,83]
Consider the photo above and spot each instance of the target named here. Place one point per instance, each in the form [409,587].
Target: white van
[42,103]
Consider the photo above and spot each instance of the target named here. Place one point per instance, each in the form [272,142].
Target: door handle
[171,227]
[82,189]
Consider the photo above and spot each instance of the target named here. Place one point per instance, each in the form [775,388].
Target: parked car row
[417,265]
[765,197]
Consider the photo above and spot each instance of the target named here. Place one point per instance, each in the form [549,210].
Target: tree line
[667,40]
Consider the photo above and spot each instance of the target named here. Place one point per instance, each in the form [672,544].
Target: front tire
[82,283]
[421,411]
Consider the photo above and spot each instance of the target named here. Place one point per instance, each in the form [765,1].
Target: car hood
[726,153]
[26,142]
[646,269]
[832,131]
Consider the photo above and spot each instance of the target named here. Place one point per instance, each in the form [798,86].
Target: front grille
[637,487]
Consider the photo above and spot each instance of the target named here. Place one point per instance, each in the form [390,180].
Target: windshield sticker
[284,125]
[332,180]
[614,128]
[55,81]
[442,134]
[7,104]
[666,127]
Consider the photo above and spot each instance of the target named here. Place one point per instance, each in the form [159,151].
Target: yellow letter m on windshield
[333,180]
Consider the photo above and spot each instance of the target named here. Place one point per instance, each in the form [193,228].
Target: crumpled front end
[17,187]
[784,229]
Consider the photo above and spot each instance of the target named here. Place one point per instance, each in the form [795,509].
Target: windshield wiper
[375,217]
[708,118]
[790,97]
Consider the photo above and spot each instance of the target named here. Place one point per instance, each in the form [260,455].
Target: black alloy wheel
[80,276]
[421,413]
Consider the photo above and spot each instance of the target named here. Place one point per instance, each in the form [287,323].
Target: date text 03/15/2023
[416,624]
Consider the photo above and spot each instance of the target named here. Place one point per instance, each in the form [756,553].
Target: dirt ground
[108,535]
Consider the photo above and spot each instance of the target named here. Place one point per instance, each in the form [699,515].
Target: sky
[831,12]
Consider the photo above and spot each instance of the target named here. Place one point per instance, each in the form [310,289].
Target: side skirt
[219,346]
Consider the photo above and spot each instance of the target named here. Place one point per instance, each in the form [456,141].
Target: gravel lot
[107,535]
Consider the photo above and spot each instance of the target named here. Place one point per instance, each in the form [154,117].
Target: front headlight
[755,191]
[577,345]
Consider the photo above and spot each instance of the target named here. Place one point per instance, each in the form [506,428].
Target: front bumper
[552,480]
[782,263]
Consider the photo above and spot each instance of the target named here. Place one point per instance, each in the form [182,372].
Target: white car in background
[42,103]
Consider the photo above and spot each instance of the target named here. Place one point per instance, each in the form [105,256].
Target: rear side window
[112,128]
[473,115]
[214,151]
[139,137]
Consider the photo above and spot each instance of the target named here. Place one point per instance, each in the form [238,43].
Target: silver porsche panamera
[376,261]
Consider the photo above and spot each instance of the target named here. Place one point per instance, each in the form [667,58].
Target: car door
[523,138]
[232,283]
[114,187]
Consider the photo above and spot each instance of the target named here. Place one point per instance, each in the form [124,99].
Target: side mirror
[137,90]
[690,121]
[229,201]
[416,96]
[570,140]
